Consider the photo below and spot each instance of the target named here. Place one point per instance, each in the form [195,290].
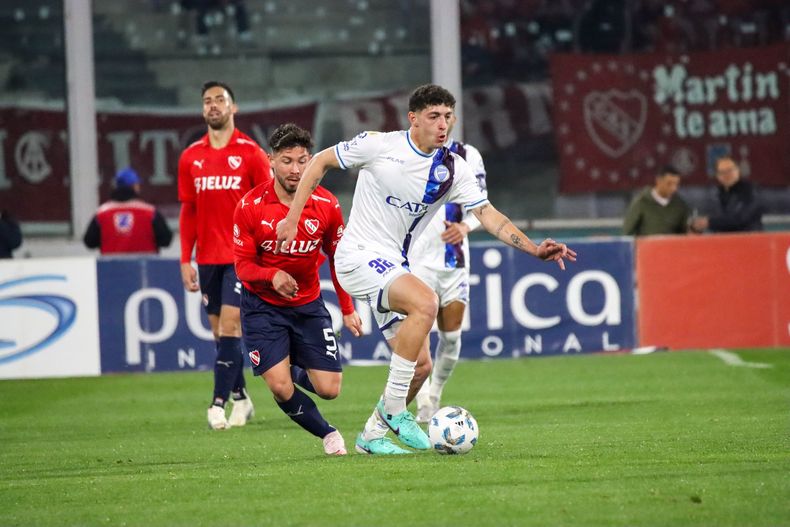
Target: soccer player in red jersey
[213,175]
[287,329]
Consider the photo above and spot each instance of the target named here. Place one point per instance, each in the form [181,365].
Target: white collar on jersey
[414,146]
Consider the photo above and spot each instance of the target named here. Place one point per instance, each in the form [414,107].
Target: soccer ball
[453,430]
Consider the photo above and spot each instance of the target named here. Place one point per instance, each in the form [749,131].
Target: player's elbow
[244,271]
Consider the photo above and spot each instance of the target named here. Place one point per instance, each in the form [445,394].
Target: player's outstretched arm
[313,174]
[501,227]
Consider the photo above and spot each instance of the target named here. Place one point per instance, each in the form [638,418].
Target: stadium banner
[619,118]
[34,168]
[726,290]
[515,116]
[34,181]
[519,306]
[48,314]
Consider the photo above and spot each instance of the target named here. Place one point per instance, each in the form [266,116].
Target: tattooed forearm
[516,240]
[501,226]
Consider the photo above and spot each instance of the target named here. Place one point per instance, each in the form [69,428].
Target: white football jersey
[398,190]
[429,250]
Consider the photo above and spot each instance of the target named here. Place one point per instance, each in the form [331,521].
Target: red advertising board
[619,118]
[714,291]
[34,177]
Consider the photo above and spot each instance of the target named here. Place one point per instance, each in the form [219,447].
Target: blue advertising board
[147,321]
[522,306]
[519,306]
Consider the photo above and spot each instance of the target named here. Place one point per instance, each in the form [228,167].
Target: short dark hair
[213,84]
[669,169]
[430,95]
[726,157]
[289,135]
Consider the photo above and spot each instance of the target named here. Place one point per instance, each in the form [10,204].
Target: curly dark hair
[430,95]
[289,135]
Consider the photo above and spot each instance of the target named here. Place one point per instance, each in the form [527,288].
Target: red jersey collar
[235,135]
[269,195]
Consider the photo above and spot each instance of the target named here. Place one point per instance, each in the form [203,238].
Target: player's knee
[230,330]
[229,325]
[328,390]
[282,389]
[426,305]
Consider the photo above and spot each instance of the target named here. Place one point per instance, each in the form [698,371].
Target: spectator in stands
[207,10]
[658,210]
[10,235]
[126,224]
[603,27]
[737,207]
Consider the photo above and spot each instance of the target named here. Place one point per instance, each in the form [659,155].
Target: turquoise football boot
[405,427]
[383,446]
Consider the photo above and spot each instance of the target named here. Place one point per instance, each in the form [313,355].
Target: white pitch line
[733,359]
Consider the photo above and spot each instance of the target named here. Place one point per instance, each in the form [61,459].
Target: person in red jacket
[126,224]
[287,329]
[214,173]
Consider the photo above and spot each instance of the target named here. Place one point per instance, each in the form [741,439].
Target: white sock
[447,354]
[398,381]
[375,428]
[422,396]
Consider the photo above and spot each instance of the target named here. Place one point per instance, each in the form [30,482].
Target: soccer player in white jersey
[440,257]
[404,178]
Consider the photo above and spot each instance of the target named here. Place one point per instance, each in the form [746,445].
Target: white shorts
[451,285]
[365,275]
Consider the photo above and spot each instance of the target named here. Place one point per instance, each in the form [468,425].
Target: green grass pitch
[662,439]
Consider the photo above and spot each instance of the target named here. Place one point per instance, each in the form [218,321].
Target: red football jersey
[210,183]
[255,236]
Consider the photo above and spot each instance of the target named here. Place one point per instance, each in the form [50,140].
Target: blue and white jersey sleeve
[475,162]
[466,190]
[359,151]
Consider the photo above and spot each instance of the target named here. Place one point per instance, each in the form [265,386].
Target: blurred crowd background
[151,56]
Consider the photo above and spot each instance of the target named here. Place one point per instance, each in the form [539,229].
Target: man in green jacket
[658,210]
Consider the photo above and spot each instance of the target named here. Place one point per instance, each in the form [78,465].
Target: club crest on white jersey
[441,173]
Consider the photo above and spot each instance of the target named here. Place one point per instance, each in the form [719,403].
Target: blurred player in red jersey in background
[213,174]
[287,329]
[126,224]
